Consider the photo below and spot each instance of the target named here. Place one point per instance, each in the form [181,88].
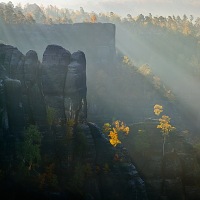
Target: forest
[116,119]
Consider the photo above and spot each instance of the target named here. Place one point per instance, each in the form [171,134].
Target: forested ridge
[33,13]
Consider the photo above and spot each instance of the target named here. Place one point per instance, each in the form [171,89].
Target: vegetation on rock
[118,128]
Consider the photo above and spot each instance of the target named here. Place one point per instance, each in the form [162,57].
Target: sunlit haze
[123,7]
[99,99]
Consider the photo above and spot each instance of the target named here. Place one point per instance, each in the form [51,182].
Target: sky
[124,7]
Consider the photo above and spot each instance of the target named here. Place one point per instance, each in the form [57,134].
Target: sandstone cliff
[32,91]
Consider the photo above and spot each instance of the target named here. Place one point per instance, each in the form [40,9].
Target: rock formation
[32,91]
[29,90]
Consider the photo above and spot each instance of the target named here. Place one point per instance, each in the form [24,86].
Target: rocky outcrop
[64,81]
[35,109]
[51,95]
[96,40]
[58,82]
[75,87]
[117,178]
[53,74]
[14,107]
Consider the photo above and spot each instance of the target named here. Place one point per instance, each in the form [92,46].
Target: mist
[100,100]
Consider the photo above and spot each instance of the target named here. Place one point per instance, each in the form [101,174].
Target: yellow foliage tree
[118,126]
[93,18]
[164,124]
[106,128]
[145,70]
[127,61]
[158,109]
[114,137]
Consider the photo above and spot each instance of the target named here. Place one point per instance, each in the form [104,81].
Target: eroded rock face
[54,69]
[12,60]
[31,68]
[120,173]
[64,82]
[53,74]
[75,87]
[33,98]
[59,83]
[11,78]
[14,105]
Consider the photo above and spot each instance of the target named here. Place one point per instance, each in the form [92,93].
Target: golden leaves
[106,127]
[119,127]
[127,61]
[114,137]
[145,70]
[93,18]
[158,109]
[126,130]
[164,121]
[165,125]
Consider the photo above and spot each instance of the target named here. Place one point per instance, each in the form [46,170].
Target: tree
[129,17]
[82,11]
[191,18]
[9,12]
[145,70]
[29,18]
[118,127]
[140,18]
[197,22]
[164,124]
[186,28]
[93,18]
[127,61]
[51,116]
[30,147]
[158,109]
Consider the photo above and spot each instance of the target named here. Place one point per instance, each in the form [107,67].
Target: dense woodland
[32,13]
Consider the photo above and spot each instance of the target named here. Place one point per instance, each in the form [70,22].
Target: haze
[123,7]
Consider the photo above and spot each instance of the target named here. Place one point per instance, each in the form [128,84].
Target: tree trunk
[164,139]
